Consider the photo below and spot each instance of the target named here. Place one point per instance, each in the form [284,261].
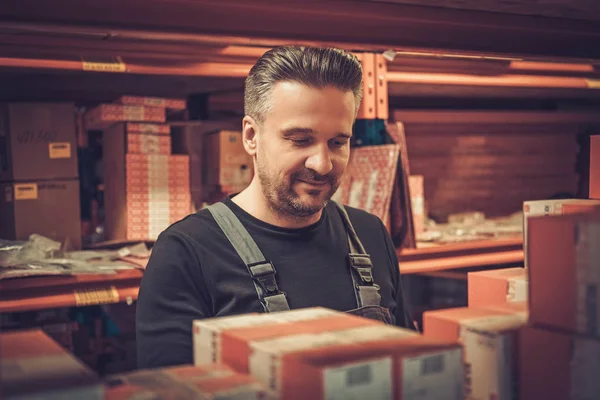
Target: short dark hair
[317,67]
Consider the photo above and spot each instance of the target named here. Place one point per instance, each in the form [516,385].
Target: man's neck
[253,201]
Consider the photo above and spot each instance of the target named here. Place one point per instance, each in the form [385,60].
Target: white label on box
[543,207]
[359,380]
[433,376]
[59,150]
[588,277]
[305,314]
[585,367]
[26,191]
[517,290]
[488,365]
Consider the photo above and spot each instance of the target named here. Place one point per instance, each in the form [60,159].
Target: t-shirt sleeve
[403,316]
[172,295]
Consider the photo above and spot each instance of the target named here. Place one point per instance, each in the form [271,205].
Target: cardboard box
[595,167]
[491,357]
[374,362]
[171,104]
[34,366]
[140,138]
[490,340]
[208,333]
[143,193]
[189,138]
[37,141]
[553,207]
[417,201]
[564,276]
[105,115]
[48,208]
[556,365]
[446,324]
[497,286]
[227,164]
[203,382]
[236,344]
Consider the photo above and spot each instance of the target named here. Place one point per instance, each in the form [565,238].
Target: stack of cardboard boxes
[312,353]
[219,164]
[552,207]
[147,188]
[563,341]
[39,185]
[316,353]
[488,329]
[227,168]
[534,332]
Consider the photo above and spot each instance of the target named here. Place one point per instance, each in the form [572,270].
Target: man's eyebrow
[297,130]
[307,131]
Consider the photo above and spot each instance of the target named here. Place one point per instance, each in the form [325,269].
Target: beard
[284,200]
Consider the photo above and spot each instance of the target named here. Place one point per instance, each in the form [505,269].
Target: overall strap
[261,270]
[365,288]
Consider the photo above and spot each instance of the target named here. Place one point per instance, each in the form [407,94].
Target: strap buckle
[263,273]
[276,302]
[361,263]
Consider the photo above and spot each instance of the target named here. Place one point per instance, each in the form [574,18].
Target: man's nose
[320,161]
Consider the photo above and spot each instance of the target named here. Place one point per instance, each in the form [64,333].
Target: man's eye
[300,142]
[339,143]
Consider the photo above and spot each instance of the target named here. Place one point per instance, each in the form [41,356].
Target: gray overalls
[262,271]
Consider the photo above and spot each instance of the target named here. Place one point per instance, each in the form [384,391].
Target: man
[280,243]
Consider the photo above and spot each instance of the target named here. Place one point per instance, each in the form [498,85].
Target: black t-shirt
[194,272]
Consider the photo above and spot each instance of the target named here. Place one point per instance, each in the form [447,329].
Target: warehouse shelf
[40,293]
[100,55]
[461,255]
[357,23]
[17,295]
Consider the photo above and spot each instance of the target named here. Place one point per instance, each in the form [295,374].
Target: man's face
[303,146]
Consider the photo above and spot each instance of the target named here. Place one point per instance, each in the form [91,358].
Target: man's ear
[249,134]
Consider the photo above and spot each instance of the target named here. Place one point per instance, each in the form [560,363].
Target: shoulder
[193,228]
